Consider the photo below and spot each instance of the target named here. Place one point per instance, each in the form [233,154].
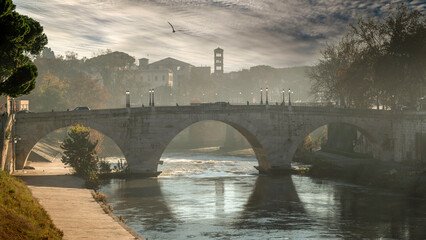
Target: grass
[102,199]
[21,216]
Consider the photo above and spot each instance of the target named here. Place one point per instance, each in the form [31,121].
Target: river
[217,197]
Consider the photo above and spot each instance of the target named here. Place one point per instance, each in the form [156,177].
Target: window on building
[178,68]
[218,54]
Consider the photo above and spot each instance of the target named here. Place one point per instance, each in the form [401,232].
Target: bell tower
[218,61]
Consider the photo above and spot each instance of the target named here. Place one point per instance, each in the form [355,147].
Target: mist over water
[216,197]
[205,166]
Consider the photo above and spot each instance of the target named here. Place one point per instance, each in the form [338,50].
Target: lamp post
[150,97]
[241,98]
[261,96]
[283,103]
[267,102]
[153,104]
[127,99]
[289,97]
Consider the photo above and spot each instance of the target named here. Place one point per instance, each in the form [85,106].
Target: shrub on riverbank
[21,216]
[402,178]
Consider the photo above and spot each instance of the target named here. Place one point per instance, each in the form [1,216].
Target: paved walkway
[71,207]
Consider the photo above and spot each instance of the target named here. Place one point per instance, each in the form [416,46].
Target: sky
[279,33]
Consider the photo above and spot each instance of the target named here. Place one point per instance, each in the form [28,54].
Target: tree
[79,152]
[20,38]
[377,62]
[50,93]
[86,91]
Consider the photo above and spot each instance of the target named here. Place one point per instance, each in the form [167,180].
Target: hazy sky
[280,33]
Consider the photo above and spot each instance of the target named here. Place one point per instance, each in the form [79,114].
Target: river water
[216,197]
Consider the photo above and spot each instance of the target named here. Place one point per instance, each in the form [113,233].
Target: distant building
[181,70]
[201,74]
[154,78]
[22,105]
[218,61]
[143,63]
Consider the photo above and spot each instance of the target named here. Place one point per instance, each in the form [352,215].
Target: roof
[170,61]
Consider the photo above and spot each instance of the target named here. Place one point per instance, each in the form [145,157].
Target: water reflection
[142,197]
[372,213]
[262,207]
[273,204]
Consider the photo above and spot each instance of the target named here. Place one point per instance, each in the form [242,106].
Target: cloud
[279,33]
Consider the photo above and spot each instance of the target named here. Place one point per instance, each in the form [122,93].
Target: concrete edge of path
[122,224]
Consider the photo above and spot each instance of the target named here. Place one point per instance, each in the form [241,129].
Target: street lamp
[283,103]
[153,104]
[289,97]
[267,102]
[150,97]
[127,98]
[261,96]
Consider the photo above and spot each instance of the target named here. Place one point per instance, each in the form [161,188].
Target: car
[81,109]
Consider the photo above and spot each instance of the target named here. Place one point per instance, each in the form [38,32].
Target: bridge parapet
[273,130]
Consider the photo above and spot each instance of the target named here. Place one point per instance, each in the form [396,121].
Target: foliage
[103,200]
[21,37]
[86,91]
[121,166]
[104,167]
[50,93]
[79,152]
[21,216]
[376,63]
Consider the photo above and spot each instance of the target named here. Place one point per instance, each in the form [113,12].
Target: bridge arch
[310,128]
[30,139]
[246,130]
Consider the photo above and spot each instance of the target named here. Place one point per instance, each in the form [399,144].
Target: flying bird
[172,27]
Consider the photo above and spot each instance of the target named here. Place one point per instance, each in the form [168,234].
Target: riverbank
[407,178]
[70,205]
[21,216]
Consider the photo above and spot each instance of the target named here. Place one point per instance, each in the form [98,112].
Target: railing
[214,108]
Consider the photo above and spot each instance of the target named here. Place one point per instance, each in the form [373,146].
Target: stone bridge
[274,132]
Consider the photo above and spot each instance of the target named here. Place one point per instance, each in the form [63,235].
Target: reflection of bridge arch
[275,199]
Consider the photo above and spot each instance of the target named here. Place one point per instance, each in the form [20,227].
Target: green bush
[80,154]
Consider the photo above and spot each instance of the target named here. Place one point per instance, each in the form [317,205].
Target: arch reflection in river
[258,207]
